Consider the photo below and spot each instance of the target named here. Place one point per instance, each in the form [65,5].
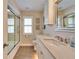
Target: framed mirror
[69,21]
[65,16]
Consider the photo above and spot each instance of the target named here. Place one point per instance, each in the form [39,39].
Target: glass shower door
[10,31]
[13,30]
[17,30]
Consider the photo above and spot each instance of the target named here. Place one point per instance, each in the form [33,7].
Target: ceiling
[66,4]
[38,5]
[30,5]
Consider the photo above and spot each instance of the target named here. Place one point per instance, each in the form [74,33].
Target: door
[5,29]
[17,29]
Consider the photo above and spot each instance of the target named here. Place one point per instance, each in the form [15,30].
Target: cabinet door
[45,51]
[47,54]
[41,56]
[39,52]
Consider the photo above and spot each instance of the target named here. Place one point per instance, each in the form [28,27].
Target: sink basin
[53,42]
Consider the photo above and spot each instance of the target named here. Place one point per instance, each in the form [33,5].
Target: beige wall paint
[35,32]
[5,22]
[5,2]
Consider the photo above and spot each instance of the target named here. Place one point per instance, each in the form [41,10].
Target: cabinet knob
[41,52]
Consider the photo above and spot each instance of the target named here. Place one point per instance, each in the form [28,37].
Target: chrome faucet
[57,37]
[67,40]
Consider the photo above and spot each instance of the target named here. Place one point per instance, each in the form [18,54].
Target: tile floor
[26,53]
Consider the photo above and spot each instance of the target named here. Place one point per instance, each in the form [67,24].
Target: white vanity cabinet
[39,51]
[43,52]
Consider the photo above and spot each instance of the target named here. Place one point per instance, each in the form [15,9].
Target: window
[11,24]
[27,25]
[69,21]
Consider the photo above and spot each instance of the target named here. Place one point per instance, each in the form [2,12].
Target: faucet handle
[57,37]
[66,41]
[61,39]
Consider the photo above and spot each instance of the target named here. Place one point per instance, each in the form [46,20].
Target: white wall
[51,29]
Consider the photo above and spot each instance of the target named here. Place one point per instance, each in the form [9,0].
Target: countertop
[60,51]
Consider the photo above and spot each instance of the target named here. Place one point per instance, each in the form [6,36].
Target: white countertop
[60,52]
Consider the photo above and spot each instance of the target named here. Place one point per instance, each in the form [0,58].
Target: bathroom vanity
[48,47]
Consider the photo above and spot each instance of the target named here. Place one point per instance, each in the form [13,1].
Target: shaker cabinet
[43,52]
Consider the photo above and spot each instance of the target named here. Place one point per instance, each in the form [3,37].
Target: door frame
[5,29]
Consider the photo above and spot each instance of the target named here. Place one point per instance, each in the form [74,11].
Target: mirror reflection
[66,16]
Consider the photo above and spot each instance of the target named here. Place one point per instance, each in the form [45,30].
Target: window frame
[12,25]
[66,19]
[28,25]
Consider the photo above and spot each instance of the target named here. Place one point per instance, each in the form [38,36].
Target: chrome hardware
[41,52]
[5,45]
